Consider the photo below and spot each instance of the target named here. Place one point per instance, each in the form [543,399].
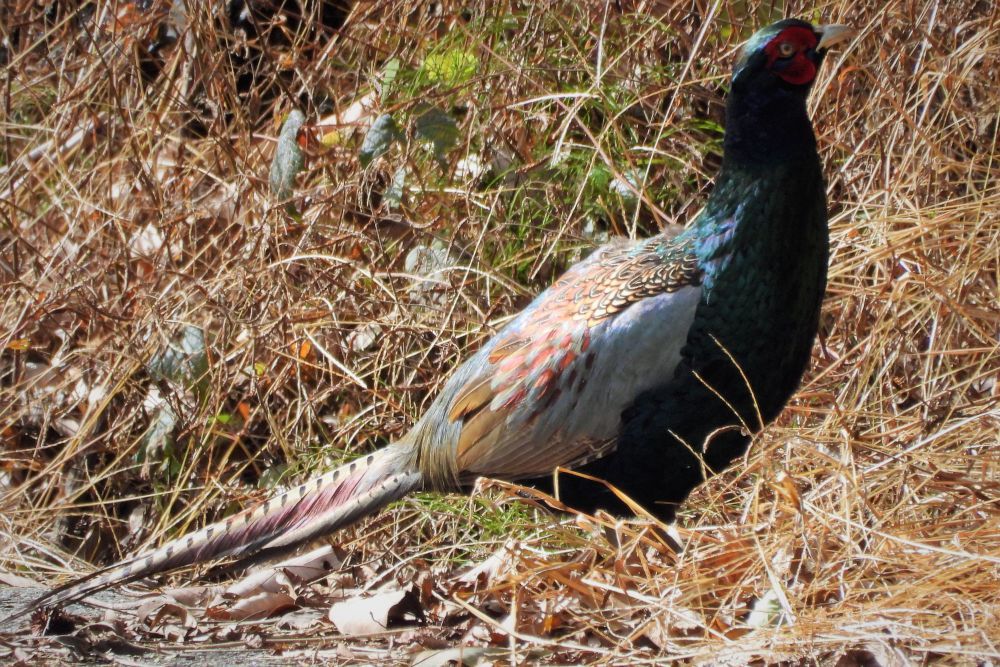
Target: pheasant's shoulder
[622,273]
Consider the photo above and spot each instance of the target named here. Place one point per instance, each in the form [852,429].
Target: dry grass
[867,516]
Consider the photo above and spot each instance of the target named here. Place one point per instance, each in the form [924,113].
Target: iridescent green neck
[759,211]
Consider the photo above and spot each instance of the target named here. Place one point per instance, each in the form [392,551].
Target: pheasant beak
[833,34]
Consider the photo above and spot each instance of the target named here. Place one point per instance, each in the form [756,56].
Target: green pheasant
[648,364]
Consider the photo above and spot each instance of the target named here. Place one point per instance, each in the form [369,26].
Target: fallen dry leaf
[193,596]
[460,656]
[502,560]
[276,578]
[157,612]
[365,616]
[301,619]
[258,605]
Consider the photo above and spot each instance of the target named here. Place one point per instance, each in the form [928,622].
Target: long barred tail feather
[279,525]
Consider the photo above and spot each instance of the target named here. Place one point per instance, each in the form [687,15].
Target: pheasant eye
[786,49]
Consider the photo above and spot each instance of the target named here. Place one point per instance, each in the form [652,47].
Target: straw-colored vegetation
[175,341]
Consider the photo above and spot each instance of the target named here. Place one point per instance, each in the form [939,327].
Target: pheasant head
[766,117]
[786,56]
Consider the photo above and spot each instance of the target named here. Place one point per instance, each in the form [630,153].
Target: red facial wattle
[797,69]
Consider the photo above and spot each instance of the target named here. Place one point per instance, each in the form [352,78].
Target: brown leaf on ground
[256,605]
[287,574]
[371,615]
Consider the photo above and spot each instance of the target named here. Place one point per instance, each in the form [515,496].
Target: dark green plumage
[762,244]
